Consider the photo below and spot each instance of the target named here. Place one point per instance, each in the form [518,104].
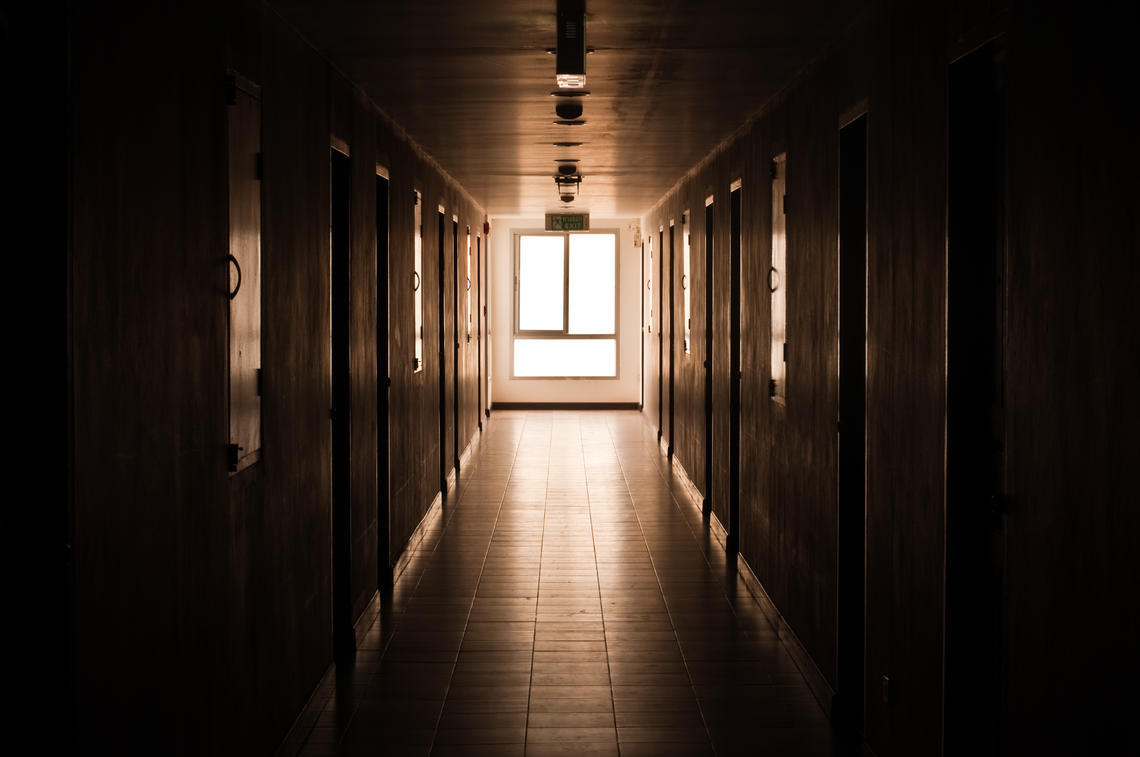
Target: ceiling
[471,82]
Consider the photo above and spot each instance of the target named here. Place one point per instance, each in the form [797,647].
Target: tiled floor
[569,602]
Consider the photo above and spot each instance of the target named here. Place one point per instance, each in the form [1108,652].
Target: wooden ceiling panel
[471,83]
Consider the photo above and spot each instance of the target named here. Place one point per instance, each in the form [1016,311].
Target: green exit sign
[567,221]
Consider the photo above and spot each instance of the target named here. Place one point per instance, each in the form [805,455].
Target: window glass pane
[417,282]
[686,279]
[778,280]
[566,357]
[540,283]
[467,283]
[592,283]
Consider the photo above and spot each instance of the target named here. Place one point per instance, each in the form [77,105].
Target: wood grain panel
[148,358]
[906,381]
[363,362]
[219,586]
[1072,340]
[789,453]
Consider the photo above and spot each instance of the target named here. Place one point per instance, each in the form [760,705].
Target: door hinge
[784,203]
[771,387]
[260,382]
[773,170]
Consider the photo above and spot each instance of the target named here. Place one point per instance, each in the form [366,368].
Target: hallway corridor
[569,601]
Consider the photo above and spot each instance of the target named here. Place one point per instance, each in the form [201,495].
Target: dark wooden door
[455,289]
[975,434]
[734,373]
[344,640]
[708,362]
[848,705]
[383,391]
[672,332]
[479,323]
[660,334]
[441,337]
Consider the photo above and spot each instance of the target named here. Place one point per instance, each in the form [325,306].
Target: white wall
[625,388]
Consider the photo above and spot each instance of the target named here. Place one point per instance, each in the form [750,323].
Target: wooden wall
[203,600]
[1073,532]
[1070,352]
[148,355]
[788,453]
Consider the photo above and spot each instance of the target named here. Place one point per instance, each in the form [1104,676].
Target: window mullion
[565,284]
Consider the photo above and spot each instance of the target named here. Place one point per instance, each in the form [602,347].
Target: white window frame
[518,333]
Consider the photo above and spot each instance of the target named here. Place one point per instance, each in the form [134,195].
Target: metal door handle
[237,265]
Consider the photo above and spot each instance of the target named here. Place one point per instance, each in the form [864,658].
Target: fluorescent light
[571,81]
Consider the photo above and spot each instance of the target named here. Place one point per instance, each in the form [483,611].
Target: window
[686,279]
[778,281]
[468,269]
[565,305]
[649,281]
[417,284]
[243,133]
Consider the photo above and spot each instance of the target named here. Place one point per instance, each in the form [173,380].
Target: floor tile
[569,601]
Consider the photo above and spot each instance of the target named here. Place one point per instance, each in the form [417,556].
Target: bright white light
[592,284]
[540,283]
[565,357]
[571,81]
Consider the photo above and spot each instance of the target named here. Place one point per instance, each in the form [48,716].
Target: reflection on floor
[570,602]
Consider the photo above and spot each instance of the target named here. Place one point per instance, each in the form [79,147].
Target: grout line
[482,566]
[598,577]
[355,701]
[538,586]
[684,659]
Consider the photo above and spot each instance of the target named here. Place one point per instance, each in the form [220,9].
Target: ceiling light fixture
[568,110]
[570,67]
[567,144]
[568,186]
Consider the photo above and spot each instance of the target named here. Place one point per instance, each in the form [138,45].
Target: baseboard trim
[307,718]
[367,615]
[433,514]
[718,531]
[566,406]
[298,733]
[681,476]
[435,510]
[816,681]
[471,448]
